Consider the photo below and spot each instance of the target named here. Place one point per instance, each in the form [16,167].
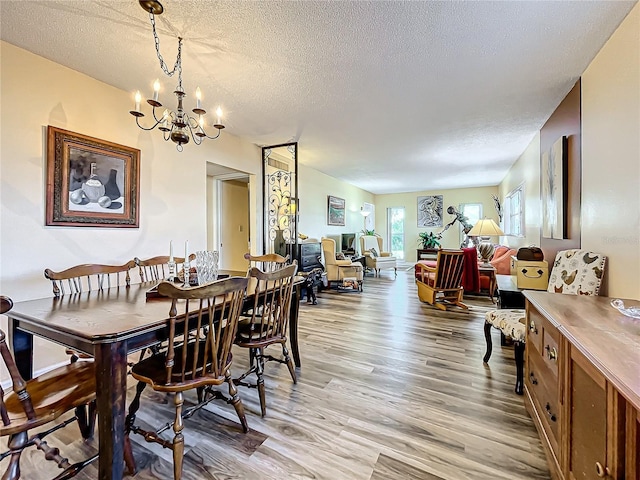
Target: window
[473,212]
[395,227]
[514,212]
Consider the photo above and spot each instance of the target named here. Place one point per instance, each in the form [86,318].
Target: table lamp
[485,229]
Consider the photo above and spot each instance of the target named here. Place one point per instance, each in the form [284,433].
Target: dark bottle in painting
[111,189]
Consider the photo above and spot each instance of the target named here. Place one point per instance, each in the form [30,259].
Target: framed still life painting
[91,182]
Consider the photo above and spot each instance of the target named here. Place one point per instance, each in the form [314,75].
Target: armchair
[338,270]
[441,285]
[375,258]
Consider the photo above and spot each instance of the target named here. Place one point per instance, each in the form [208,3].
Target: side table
[489,271]
[509,295]
[359,258]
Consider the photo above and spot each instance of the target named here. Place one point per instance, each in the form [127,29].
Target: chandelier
[176,125]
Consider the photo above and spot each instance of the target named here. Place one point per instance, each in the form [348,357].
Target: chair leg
[287,358]
[129,460]
[178,439]
[519,353]
[16,443]
[86,415]
[236,402]
[487,337]
[260,382]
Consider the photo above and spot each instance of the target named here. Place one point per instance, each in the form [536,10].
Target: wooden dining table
[109,325]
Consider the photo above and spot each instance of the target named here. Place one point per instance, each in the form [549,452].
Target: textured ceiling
[389,96]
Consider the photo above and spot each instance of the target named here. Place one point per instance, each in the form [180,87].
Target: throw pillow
[374,252]
[339,256]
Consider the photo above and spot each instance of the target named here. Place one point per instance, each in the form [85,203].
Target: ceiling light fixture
[176,125]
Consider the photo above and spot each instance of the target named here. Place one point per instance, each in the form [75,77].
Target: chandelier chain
[178,65]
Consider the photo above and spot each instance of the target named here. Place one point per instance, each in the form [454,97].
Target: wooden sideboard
[582,385]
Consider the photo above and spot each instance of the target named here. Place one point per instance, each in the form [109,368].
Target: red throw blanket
[470,273]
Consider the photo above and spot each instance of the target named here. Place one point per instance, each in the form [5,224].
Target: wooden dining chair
[266,324]
[86,278]
[34,403]
[199,364]
[268,262]
[157,268]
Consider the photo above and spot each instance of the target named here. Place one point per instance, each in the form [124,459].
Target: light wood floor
[389,389]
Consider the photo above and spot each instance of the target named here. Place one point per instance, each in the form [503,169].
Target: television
[348,243]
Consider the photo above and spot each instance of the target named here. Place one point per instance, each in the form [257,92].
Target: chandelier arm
[158,120]
[147,129]
[196,139]
[211,138]
[193,123]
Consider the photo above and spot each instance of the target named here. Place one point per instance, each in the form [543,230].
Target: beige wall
[314,187]
[610,216]
[611,157]
[526,170]
[450,238]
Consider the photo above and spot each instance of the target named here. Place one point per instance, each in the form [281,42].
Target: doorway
[228,215]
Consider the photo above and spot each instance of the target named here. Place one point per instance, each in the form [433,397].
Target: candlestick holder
[171,266]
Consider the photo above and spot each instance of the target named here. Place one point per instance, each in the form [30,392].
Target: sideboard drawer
[534,329]
[543,388]
[551,348]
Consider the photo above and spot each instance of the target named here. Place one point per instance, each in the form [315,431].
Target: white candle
[171,250]
[219,114]
[156,89]
[138,98]
[186,251]
[198,98]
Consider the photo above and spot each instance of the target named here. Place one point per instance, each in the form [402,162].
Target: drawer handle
[534,380]
[552,416]
[602,471]
[552,353]
[525,271]
[532,327]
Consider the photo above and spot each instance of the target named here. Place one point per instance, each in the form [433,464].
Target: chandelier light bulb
[201,121]
[219,114]
[138,99]
[164,126]
[198,98]
[156,89]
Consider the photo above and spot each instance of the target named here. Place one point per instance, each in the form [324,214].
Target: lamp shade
[485,228]
[364,213]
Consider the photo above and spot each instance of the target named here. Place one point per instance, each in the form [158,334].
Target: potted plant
[428,240]
[369,232]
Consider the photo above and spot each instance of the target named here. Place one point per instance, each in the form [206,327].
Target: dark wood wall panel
[565,120]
